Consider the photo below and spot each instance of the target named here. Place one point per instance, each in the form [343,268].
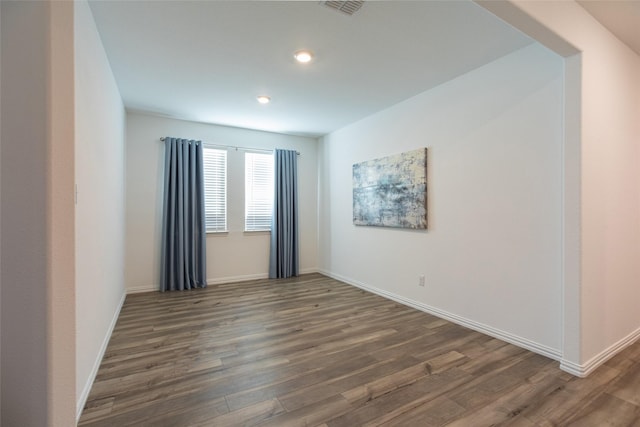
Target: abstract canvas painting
[391,191]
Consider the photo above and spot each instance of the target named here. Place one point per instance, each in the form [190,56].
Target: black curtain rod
[228,147]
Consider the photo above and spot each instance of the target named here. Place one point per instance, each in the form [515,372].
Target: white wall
[24,379]
[231,256]
[38,347]
[0,218]
[492,253]
[61,318]
[601,303]
[100,249]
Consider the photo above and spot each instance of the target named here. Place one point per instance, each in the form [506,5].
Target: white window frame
[215,189]
[258,193]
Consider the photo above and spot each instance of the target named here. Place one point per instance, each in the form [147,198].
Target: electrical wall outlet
[421,280]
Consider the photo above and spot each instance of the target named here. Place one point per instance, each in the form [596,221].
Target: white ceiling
[207,60]
[622,18]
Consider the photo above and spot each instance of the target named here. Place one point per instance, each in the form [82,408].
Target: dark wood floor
[314,351]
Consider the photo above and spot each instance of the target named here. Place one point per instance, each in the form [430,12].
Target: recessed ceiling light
[263,99]
[303,56]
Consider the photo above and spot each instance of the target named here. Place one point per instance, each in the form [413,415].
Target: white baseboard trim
[234,279]
[471,324]
[141,289]
[247,277]
[582,370]
[216,281]
[82,400]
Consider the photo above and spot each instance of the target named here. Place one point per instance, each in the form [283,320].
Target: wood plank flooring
[312,351]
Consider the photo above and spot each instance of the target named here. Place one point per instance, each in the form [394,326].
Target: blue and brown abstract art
[391,191]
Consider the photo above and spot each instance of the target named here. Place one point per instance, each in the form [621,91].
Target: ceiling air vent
[348,7]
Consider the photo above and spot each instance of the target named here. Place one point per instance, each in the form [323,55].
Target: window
[258,193]
[215,189]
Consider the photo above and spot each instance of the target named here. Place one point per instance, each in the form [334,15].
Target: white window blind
[258,194]
[215,188]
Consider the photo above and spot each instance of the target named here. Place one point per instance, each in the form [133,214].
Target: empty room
[309,213]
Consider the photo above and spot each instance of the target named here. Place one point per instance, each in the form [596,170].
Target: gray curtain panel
[183,262]
[283,258]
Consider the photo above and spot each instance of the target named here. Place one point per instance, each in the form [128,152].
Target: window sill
[247,232]
[256,232]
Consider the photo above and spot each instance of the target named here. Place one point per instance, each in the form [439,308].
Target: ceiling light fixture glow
[303,56]
[263,99]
